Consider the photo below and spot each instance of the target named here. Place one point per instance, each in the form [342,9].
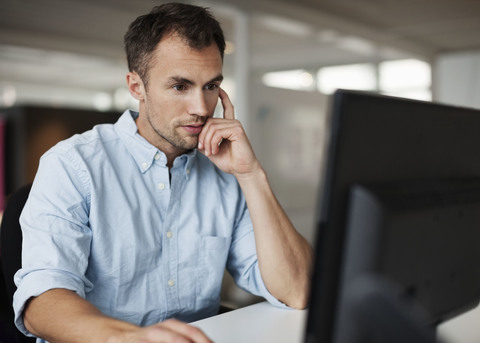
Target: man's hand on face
[168,331]
[224,142]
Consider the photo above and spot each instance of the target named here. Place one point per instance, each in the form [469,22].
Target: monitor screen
[398,225]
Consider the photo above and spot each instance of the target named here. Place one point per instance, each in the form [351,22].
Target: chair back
[11,248]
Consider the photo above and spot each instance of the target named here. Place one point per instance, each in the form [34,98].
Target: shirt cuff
[35,283]
[265,293]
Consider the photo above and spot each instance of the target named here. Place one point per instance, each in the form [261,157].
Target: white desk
[263,323]
[259,323]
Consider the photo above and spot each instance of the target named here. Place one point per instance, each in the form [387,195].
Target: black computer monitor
[398,227]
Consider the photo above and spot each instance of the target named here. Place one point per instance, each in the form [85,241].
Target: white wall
[457,79]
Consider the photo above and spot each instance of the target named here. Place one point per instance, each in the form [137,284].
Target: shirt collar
[144,153]
[186,161]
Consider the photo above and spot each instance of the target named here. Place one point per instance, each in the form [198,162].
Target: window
[409,78]
[299,79]
[406,78]
[353,76]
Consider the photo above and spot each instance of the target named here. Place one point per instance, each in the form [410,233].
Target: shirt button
[161,186]
[144,165]
[188,171]
[169,234]
[157,156]
[171,283]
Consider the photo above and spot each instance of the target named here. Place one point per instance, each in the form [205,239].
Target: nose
[198,105]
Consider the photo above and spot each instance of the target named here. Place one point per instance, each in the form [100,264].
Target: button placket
[170,244]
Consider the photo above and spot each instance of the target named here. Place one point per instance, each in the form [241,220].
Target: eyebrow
[180,79]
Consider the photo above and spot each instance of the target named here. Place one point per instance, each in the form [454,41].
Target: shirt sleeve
[242,262]
[56,236]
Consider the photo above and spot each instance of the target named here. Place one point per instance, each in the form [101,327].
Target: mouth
[193,129]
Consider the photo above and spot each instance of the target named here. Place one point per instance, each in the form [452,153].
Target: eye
[211,86]
[179,87]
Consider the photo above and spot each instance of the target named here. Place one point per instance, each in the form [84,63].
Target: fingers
[215,132]
[174,331]
[210,138]
[191,333]
[228,111]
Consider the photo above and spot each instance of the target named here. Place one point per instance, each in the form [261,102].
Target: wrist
[254,181]
[256,173]
[112,330]
[120,333]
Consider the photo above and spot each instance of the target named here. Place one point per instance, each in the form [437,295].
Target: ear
[135,86]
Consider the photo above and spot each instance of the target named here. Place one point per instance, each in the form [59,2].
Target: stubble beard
[172,137]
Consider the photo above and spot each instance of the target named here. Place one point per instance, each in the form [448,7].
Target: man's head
[176,59]
[194,24]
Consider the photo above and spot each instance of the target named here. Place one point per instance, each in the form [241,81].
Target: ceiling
[76,45]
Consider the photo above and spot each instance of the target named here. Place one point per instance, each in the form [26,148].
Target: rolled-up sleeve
[243,262]
[56,236]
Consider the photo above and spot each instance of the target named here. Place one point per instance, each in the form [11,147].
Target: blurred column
[242,67]
[456,79]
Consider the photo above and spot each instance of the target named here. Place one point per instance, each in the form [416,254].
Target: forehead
[173,54]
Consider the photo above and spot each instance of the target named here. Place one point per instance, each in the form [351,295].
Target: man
[132,224]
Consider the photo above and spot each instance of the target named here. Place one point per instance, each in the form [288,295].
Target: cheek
[164,107]
[212,100]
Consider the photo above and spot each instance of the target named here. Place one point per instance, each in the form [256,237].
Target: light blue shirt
[105,219]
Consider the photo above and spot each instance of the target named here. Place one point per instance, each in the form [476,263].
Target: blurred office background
[283,60]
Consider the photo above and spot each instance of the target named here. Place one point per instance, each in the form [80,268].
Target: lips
[193,129]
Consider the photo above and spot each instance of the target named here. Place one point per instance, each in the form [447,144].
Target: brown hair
[196,25]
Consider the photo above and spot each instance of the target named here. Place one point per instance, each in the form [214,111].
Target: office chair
[11,252]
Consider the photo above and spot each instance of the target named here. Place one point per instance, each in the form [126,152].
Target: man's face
[181,93]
